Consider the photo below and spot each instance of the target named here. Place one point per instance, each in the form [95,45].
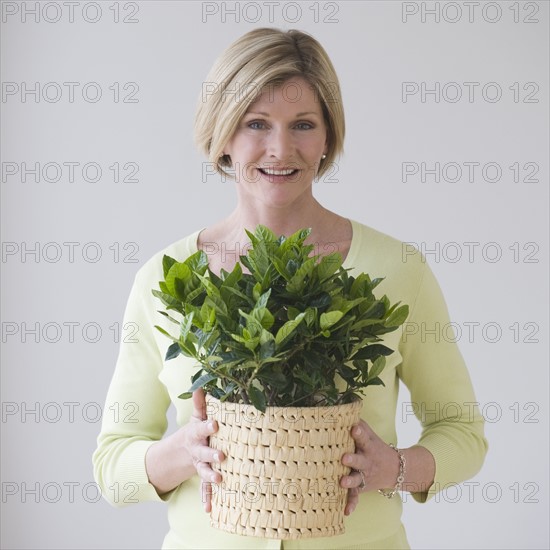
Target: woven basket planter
[281,476]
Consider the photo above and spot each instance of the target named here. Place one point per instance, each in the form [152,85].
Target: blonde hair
[261,58]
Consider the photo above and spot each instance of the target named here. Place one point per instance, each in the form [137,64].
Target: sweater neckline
[349,260]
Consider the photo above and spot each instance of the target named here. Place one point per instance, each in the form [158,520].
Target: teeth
[273,172]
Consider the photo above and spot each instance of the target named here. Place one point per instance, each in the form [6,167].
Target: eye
[256,125]
[304,126]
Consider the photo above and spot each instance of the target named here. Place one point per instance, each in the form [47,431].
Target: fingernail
[347,459]
[218,457]
[211,425]
[358,431]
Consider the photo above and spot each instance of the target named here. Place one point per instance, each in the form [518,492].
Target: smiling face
[276,149]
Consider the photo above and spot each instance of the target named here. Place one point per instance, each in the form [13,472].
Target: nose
[280,144]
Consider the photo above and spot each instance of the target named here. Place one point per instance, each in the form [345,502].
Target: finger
[353,481]
[203,430]
[199,405]
[206,496]
[202,453]
[356,461]
[207,474]
[360,434]
[351,504]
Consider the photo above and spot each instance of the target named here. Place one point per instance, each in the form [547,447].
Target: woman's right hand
[183,454]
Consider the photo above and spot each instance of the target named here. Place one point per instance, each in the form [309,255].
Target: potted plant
[284,352]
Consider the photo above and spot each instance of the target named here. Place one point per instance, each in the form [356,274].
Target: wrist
[399,462]
[165,467]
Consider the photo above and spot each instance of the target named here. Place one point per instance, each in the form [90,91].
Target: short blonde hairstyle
[261,58]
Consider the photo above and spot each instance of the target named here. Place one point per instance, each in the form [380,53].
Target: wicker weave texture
[281,475]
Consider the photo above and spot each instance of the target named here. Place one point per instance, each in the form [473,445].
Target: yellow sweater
[429,363]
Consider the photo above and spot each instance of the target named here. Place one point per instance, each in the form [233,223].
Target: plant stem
[245,397]
[271,396]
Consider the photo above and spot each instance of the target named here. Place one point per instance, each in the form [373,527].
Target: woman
[271,118]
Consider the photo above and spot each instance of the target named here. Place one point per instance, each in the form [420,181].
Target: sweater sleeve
[135,409]
[442,397]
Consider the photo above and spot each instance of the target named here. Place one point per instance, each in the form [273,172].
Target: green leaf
[310,316]
[300,236]
[397,317]
[282,269]
[163,287]
[233,277]
[187,348]
[376,282]
[257,291]
[169,317]
[264,317]
[321,301]
[239,338]
[293,312]
[263,233]
[344,306]
[160,329]
[365,323]
[287,329]
[194,294]
[328,265]
[257,398]
[198,262]
[372,351]
[298,281]
[267,349]
[178,272]
[214,279]
[245,260]
[329,318]
[262,300]
[292,267]
[375,310]
[202,381]
[252,237]
[238,293]
[173,351]
[266,336]
[252,343]
[168,300]
[167,263]
[185,326]
[210,288]
[253,325]
[346,372]
[377,367]
[217,303]
[273,377]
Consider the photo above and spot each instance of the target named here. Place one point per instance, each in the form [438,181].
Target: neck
[282,221]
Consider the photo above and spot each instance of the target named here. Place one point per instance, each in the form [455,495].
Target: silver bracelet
[400,476]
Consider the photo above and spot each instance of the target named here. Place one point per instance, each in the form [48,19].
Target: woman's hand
[176,458]
[202,456]
[376,459]
[380,466]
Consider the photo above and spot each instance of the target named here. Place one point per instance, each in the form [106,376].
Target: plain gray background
[156,57]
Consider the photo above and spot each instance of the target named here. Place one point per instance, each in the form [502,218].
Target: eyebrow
[267,114]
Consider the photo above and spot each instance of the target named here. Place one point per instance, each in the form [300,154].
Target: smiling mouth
[278,173]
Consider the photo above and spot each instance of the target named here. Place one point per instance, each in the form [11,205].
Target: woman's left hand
[375,458]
